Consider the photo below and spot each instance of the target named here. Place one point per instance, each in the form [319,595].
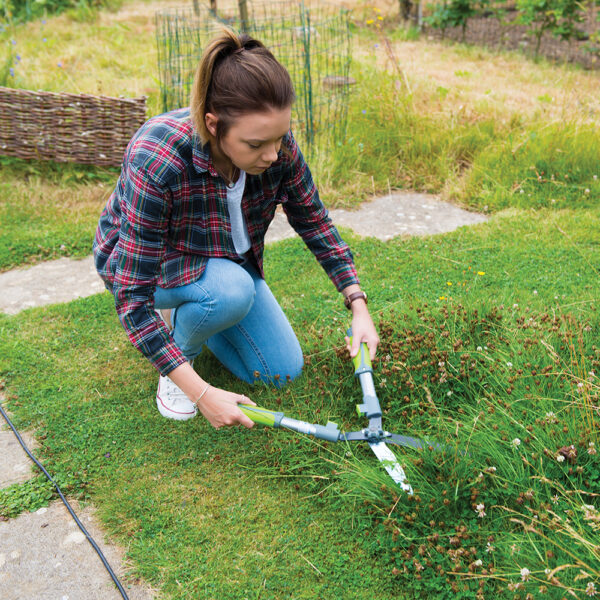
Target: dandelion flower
[480,272]
[448,283]
[370,21]
[516,442]
[525,573]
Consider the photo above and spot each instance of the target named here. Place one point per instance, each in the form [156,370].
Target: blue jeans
[232,310]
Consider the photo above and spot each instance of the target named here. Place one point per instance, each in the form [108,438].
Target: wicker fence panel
[81,128]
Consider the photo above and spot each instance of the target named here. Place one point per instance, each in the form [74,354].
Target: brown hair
[237,75]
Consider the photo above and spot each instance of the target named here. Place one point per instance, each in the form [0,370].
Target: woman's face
[253,140]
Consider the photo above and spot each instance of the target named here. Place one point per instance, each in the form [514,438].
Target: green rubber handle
[262,416]
[362,361]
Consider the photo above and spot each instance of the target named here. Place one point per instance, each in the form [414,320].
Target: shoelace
[175,393]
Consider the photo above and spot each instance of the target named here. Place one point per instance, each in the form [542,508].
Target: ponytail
[237,75]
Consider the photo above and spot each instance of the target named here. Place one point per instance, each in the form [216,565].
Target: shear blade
[391,465]
[404,440]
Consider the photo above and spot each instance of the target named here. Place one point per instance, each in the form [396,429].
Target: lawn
[489,345]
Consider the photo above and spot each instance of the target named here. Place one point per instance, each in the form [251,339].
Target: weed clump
[511,506]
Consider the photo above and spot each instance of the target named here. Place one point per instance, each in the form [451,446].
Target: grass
[273,504]
[454,134]
[48,211]
[489,335]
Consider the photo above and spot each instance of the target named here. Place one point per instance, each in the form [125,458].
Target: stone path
[43,555]
[398,214]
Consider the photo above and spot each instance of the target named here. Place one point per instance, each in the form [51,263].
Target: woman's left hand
[363,330]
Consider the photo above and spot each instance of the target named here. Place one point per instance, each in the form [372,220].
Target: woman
[180,241]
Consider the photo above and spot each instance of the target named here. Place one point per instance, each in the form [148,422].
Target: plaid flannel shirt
[168,215]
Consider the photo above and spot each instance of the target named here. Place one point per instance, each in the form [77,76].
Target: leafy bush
[454,13]
[558,17]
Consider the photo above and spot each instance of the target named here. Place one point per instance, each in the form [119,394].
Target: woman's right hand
[220,408]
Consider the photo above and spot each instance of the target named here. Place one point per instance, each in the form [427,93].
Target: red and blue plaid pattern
[168,215]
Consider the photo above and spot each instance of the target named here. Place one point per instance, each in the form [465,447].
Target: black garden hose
[79,523]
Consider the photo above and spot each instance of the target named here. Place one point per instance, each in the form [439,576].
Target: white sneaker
[172,402]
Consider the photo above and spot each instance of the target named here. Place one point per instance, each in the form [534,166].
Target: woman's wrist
[193,386]
[202,394]
[359,307]
[354,296]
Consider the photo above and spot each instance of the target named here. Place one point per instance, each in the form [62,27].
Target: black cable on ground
[79,523]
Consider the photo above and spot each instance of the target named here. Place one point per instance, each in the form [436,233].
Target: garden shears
[373,434]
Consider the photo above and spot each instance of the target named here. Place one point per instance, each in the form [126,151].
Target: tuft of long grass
[545,165]
[390,145]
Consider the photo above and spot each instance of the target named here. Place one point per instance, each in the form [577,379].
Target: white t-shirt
[239,231]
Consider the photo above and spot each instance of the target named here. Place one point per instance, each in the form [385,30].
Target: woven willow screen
[82,128]
[311,41]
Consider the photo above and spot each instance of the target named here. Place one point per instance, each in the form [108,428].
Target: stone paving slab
[406,213]
[45,556]
[386,217]
[15,465]
[49,282]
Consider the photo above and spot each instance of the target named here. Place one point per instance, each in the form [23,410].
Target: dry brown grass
[445,78]
[496,85]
